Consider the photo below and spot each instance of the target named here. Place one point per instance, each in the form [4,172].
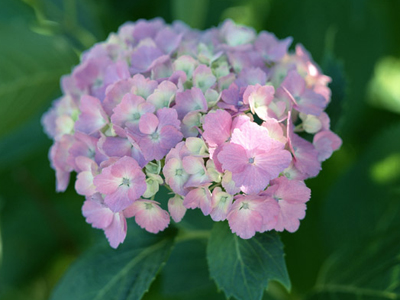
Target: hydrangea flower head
[222,118]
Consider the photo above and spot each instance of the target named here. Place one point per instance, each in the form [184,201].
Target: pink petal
[244,221]
[217,127]
[175,175]
[105,182]
[291,196]
[144,58]
[148,123]
[84,183]
[190,100]
[131,108]
[167,40]
[143,86]
[176,208]
[311,103]
[270,214]
[270,47]
[163,95]
[119,199]
[96,213]
[199,198]
[221,204]
[294,83]
[150,216]
[306,156]
[92,117]
[251,76]
[115,93]
[114,146]
[170,137]
[168,116]
[325,143]
[203,77]
[116,232]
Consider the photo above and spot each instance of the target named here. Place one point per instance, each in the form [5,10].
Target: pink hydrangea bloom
[253,157]
[221,203]
[258,98]
[305,100]
[149,215]
[92,117]
[128,112]
[325,142]
[123,182]
[176,208]
[84,182]
[249,214]
[221,117]
[270,47]
[199,198]
[158,134]
[58,156]
[291,196]
[175,175]
[100,216]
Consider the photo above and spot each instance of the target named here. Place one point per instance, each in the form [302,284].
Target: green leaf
[242,268]
[124,273]
[55,223]
[361,215]
[369,271]
[31,66]
[1,248]
[26,141]
[365,193]
[11,11]
[76,20]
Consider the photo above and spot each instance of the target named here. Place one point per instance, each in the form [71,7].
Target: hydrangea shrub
[230,121]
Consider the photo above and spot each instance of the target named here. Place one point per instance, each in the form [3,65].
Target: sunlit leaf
[384,88]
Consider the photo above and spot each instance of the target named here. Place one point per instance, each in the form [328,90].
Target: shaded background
[348,246]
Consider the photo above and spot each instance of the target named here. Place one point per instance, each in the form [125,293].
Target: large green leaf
[37,224]
[26,141]
[355,205]
[368,271]
[125,273]
[31,66]
[361,225]
[1,247]
[12,10]
[242,268]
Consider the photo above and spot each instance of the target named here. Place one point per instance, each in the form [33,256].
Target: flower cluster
[230,121]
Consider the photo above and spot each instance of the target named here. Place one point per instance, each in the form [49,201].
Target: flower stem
[185,235]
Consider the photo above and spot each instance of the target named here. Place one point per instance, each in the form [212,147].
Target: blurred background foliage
[348,246]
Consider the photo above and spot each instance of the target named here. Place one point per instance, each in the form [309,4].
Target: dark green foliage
[31,65]
[243,268]
[125,273]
